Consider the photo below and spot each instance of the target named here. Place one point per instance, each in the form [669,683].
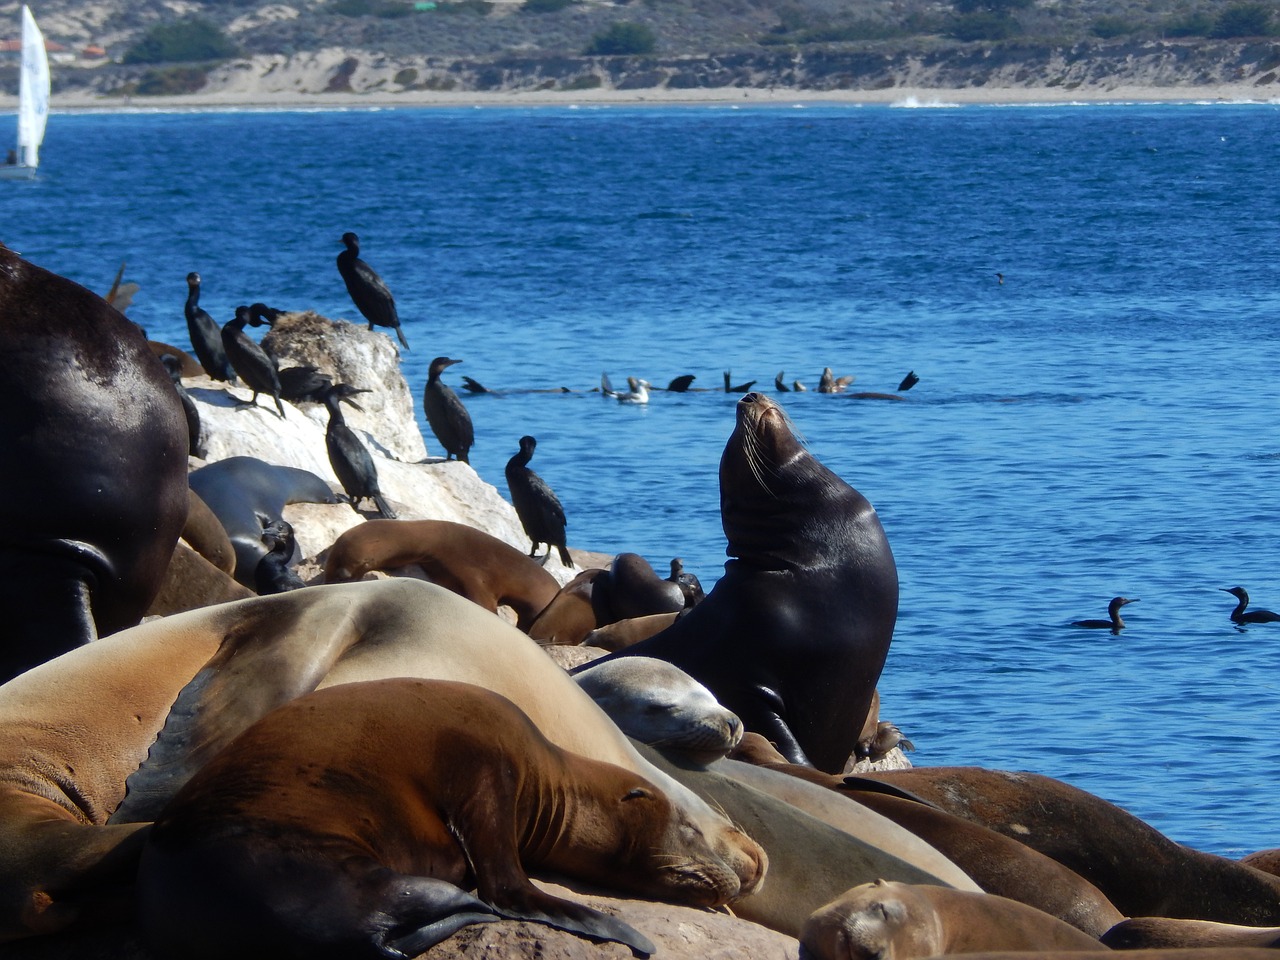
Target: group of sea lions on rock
[390,767]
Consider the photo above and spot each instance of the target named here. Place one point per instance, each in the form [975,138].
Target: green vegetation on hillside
[182,41]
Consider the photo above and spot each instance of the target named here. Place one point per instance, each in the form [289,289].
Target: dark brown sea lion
[901,921]
[1141,871]
[1268,861]
[467,561]
[1145,933]
[350,820]
[793,637]
[94,469]
[632,588]
[206,535]
[570,616]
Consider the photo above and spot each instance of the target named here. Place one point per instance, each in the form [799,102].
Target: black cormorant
[350,459]
[206,335]
[368,292]
[1114,623]
[536,505]
[449,419]
[273,575]
[304,382]
[195,439]
[688,583]
[1238,615]
[256,367]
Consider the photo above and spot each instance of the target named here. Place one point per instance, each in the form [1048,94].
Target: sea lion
[793,637]
[246,494]
[191,582]
[315,829]
[1268,861]
[631,588]
[467,561]
[887,920]
[1141,871]
[570,616]
[170,693]
[94,474]
[1145,933]
[657,703]
[623,633]
[206,535]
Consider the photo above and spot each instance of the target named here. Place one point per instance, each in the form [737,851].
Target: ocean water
[1101,422]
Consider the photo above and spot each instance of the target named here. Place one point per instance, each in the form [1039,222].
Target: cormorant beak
[348,399]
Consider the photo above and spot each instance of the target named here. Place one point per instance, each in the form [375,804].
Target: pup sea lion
[315,829]
[170,693]
[657,703]
[887,920]
[1141,871]
[793,637]
[467,561]
[94,469]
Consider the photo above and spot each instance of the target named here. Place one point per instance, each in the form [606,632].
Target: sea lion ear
[638,793]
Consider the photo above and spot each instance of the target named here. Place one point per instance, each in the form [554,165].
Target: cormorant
[273,575]
[779,385]
[688,583]
[681,383]
[639,392]
[206,336]
[536,505]
[264,314]
[350,459]
[449,419]
[368,292]
[195,444]
[304,382]
[740,388]
[1114,624]
[1253,616]
[256,367]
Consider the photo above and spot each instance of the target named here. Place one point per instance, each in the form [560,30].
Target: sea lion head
[872,921]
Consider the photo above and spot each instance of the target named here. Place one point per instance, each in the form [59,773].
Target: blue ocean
[1089,294]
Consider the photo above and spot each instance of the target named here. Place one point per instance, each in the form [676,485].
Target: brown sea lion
[1268,861]
[793,637]
[351,819]
[1168,953]
[1145,933]
[467,561]
[569,617]
[192,582]
[206,535]
[170,693]
[623,633]
[886,920]
[93,479]
[1141,871]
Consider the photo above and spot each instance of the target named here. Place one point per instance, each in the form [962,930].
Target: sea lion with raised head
[793,637]
[93,481]
[886,920]
[315,829]
[467,561]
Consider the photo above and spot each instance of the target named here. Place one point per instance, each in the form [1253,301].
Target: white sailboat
[33,103]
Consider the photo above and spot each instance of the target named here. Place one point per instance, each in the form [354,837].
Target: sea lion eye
[637,793]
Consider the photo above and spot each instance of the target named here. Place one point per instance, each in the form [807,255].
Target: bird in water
[1114,623]
[909,381]
[446,414]
[351,461]
[536,504]
[830,383]
[368,292]
[256,367]
[639,392]
[1238,615]
[740,388]
[195,439]
[688,583]
[273,575]
[206,335]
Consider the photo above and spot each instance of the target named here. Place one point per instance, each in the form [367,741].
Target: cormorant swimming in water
[304,382]
[195,445]
[909,381]
[689,584]
[449,419]
[350,459]
[1114,624]
[1238,615]
[536,505]
[206,335]
[256,367]
[272,575]
[368,292]
[779,385]
[740,388]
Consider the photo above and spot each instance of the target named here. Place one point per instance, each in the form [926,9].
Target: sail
[33,90]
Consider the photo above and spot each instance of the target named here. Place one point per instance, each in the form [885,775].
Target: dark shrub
[622,39]
[181,41]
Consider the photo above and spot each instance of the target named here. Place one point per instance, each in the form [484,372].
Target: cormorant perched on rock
[264,314]
[1114,623]
[256,367]
[304,382]
[688,583]
[536,505]
[195,441]
[909,381]
[368,292]
[449,419]
[740,388]
[206,335]
[1253,616]
[350,459]
[273,575]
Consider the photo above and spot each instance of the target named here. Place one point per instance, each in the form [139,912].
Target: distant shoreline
[731,96]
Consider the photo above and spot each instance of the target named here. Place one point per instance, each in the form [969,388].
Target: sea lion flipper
[576,918]
[409,900]
[855,784]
